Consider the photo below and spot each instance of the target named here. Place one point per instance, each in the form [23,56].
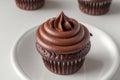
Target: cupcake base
[63,68]
[94,8]
[30,4]
[63,64]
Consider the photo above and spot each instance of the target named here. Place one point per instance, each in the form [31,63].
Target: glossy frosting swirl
[62,35]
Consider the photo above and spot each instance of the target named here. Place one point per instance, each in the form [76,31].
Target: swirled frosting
[62,35]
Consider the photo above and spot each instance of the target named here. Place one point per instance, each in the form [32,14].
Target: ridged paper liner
[61,63]
[63,68]
[94,8]
[30,4]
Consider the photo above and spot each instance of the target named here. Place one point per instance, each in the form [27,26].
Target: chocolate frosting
[62,35]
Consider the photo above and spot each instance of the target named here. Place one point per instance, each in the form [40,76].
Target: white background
[14,22]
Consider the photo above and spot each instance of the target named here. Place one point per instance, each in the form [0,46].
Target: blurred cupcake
[63,44]
[30,4]
[94,7]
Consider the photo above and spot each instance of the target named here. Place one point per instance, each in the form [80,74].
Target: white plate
[101,62]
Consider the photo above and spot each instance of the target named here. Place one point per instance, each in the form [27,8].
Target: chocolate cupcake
[94,7]
[30,4]
[63,44]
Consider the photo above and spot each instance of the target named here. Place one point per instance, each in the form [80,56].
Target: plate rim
[24,76]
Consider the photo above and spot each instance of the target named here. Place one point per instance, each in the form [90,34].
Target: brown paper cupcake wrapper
[30,4]
[94,8]
[63,68]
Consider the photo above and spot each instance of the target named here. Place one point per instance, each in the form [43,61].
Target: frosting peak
[63,23]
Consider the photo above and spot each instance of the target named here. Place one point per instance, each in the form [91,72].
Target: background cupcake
[30,4]
[94,7]
[63,44]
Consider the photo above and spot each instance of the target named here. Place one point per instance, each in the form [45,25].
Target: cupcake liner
[30,4]
[63,67]
[61,63]
[94,8]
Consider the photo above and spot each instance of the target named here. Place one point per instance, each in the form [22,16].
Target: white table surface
[14,21]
